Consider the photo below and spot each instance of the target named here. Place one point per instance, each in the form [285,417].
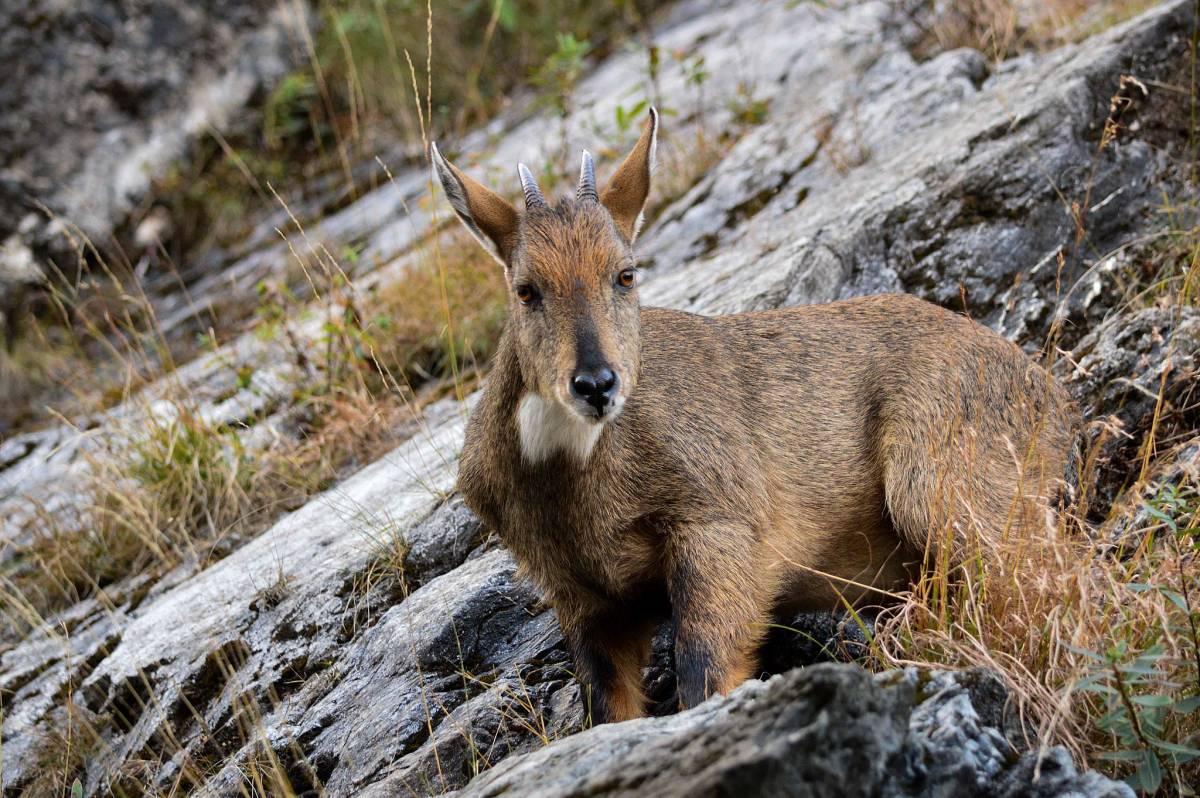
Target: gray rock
[1052,773]
[19,272]
[101,97]
[879,173]
[1118,372]
[825,730]
[441,542]
[1120,366]
[758,741]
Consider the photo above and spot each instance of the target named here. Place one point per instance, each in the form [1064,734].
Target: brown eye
[627,278]
[526,294]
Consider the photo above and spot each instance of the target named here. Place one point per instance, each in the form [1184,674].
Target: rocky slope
[984,190]
[104,96]
[823,730]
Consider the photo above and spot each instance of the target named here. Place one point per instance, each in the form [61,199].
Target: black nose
[594,386]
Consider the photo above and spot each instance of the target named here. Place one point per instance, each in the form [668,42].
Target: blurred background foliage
[368,54]
[387,75]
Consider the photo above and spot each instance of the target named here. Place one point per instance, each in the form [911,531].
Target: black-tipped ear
[490,218]
[625,196]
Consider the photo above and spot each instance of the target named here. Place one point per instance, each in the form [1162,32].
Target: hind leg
[962,498]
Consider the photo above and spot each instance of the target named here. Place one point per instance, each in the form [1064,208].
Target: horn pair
[585,191]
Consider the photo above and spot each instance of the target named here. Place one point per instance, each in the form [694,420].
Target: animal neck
[543,428]
[546,428]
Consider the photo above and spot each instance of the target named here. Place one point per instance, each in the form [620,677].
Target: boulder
[826,730]
[101,97]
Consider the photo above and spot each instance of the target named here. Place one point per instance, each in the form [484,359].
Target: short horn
[587,179]
[533,194]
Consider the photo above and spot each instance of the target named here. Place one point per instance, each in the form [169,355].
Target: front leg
[610,648]
[721,600]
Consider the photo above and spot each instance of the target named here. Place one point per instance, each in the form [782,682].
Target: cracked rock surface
[823,730]
[100,97]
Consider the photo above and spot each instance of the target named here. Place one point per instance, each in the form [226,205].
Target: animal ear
[490,218]
[626,193]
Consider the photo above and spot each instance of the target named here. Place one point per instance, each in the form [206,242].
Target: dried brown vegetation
[1003,28]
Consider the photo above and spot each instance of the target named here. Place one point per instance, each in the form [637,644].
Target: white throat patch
[546,427]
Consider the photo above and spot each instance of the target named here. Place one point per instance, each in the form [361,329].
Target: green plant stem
[1134,720]
[1191,616]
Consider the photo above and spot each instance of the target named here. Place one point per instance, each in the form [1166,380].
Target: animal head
[571,277]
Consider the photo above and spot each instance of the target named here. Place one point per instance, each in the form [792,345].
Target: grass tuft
[1002,29]
[1098,645]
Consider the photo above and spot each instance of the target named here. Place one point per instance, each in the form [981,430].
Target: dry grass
[1001,29]
[63,753]
[1064,617]
[94,344]
[1097,635]
[444,317]
[158,497]
[180,491]
[482,52]
[40,370]
[1166,267]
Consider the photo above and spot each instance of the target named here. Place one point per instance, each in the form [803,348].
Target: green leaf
[508,15]
[1102,689]
[1161,516]
[1152,700]
[1176,598]
[1176,748]
[1136,669]
[1095,677]
[1114,720]
[76,789]
[1185,705]
[1149,775]
[1120,756]
[1083,652]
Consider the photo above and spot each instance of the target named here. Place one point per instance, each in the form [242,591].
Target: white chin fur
[546,427]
